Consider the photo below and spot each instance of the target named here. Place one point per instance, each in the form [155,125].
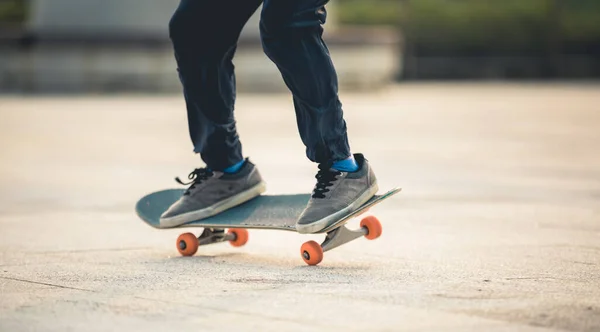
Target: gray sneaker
[213,192]
[336,194]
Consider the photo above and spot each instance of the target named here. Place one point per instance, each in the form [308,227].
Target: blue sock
[346,165]
[235,167]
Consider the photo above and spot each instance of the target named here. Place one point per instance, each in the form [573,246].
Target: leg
[204,34]
[291,32]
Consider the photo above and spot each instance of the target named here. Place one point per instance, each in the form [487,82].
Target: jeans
[204,34]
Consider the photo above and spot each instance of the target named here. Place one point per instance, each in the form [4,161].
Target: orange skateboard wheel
[187,244]
[373,226]
[311,252]
[241,236]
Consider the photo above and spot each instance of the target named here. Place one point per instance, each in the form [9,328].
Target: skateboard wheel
[311,252]
[187,244]
[241,236]
[373,226]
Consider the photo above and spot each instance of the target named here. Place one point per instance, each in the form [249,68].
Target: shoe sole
[214,209]
[320,224]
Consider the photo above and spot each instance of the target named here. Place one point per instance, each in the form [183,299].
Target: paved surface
[497,228]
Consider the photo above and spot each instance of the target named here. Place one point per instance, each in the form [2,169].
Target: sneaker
[213,192]
[337,194]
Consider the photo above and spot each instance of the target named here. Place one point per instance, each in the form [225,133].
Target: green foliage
[478,27]
[580,23]
[12,11]
[360,12]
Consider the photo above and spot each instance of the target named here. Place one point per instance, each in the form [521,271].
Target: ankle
[235,167]
[346,165]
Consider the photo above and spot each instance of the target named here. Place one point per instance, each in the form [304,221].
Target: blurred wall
[123,45]
[509,39]
[97,18]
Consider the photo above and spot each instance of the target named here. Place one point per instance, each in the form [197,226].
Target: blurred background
[123,45]
[485,112]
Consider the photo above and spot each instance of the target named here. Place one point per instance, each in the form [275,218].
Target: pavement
[497,227]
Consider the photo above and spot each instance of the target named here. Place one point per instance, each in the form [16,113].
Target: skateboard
[272,212]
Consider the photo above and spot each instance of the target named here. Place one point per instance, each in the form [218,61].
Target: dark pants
[205,34]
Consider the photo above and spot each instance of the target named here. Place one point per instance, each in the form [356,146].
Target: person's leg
[204,35]
[291,32]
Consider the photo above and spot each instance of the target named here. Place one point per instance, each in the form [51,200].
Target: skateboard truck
[188,243]
[334,239]
[214,235]
[311,251]
[341,235]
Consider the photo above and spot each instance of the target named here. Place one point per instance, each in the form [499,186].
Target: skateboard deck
[274,212]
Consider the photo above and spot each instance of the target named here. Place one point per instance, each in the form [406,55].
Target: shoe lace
[325,178]
[196,176]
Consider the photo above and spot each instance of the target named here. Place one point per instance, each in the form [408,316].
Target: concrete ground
[497,227]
